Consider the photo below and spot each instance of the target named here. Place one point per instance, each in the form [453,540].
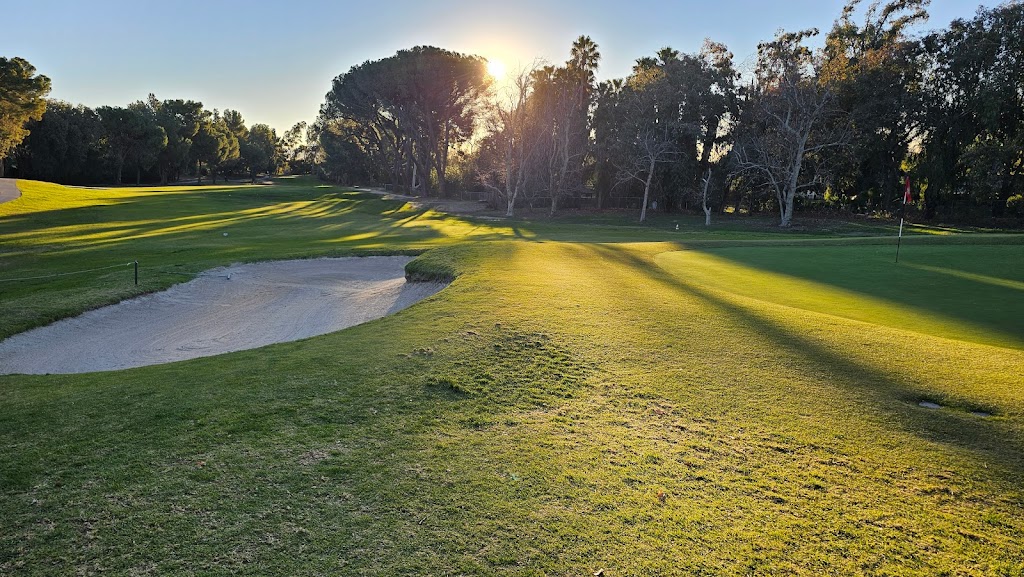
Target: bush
[1015,205]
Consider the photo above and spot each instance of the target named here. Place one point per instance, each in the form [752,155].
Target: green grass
[525,420]
[175,232]
[951,290]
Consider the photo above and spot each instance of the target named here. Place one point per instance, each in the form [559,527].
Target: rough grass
[562,408]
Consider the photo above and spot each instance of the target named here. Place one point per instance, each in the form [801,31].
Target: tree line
[147,141]
[840,127]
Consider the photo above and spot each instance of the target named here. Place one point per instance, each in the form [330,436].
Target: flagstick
[903,213]
[899,239]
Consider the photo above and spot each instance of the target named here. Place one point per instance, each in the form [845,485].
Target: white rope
[65,274]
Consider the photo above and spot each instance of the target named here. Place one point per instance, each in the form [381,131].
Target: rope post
[136,273]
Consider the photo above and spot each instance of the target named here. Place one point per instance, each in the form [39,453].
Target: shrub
[1015,205]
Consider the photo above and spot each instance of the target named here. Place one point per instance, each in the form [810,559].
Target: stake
[137,273]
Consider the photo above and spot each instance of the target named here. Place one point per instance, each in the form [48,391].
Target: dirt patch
[226,309]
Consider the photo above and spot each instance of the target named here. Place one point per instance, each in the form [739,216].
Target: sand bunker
[223,310]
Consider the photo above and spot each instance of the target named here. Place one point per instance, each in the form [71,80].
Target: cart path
[9,190]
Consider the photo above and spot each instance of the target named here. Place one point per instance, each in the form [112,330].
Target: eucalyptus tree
[660,127]
[560,105]
[790,120]
[718,106]
[650,127]
[22,98]
[706,98]
[510,147]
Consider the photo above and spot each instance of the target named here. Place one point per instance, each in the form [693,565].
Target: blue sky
[274,61]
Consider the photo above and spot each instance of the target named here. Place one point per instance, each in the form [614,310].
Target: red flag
[906,190]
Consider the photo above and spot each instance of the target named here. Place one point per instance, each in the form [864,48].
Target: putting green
[971,293]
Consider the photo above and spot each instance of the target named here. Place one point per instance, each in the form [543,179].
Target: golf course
[588,396]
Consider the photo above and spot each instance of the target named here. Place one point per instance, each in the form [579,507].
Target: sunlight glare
[496,68]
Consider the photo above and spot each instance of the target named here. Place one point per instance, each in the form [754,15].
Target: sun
[496,68]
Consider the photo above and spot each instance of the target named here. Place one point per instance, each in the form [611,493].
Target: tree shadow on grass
[176,220]
[978,285]
[990,440]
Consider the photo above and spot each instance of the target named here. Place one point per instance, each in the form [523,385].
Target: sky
[274,61]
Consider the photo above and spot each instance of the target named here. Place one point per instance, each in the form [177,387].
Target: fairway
[583,397]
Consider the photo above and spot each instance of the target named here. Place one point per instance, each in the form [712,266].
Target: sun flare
[496,68]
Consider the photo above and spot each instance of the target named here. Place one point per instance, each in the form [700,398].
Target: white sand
[260,304]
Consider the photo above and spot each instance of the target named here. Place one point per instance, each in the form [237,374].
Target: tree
[259,150]
[22,98]
[876,71]
[151,140]
[180,121]
[356,129]
[606,124]
[718,101]
[294,147]
[791,117]
[132,137]
[649,128]
[341,157]
[213,145]
[510,146]
[973,130]
[438,102]
[235,125]
[63,146]
[705,184]
[560,108]
[407,112]
[661,126]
